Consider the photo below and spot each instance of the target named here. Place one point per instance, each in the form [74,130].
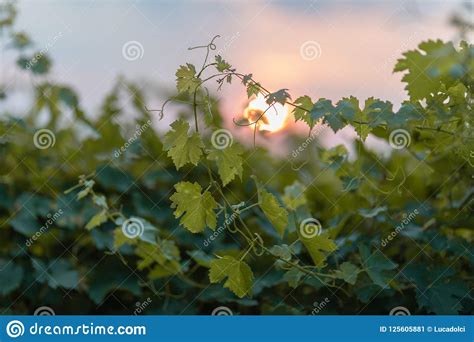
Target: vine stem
[251,241]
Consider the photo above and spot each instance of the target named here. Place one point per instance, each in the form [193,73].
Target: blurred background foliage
[427,268]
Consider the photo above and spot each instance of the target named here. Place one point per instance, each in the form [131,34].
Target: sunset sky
[358,43]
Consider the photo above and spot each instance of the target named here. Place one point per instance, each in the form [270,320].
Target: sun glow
[274,119]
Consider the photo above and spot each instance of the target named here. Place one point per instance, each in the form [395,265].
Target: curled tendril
[211,45]
[287,266]
[235,229]
[297,168]
[403,180]
[348,186]
[255,247]
[208,47]
[160,111]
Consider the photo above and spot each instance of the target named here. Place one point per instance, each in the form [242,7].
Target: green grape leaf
[11,276]
[181,147]
[253,88]
[163,259]
[318,246]
[57,273]
[302,112]
[407,112]
[196,209]
[39,63]
[280,96]
[246,79]
[276,214]
[21,40]
[457,94]
[347,108]
[282,251]
[293,277]
[377,266]
[348,272]
[321,108]
[229,162]
[294,195]
[334,121]
[186,80]
[102,280]
[361,119]
[239,275]
[97,220]
[377,111]
[436,290]
[222,65]
[434,63]
[443,297]
[121,239]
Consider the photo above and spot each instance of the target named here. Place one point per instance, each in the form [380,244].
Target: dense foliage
[192,220]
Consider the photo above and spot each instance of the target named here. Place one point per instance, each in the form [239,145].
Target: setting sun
[274,119]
